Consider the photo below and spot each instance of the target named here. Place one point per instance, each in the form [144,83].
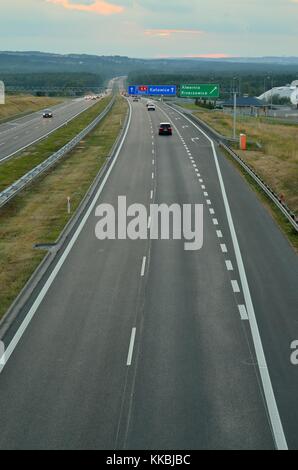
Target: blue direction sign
[165,90]
[153,90]
[132,90]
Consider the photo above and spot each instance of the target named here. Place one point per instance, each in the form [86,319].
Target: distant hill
[110,66]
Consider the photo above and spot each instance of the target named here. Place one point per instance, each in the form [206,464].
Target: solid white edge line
[277,427]
[131,347]
[14,342]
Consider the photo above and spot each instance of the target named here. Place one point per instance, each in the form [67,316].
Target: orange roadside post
[243,142]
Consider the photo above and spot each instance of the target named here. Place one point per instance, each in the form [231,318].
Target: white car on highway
[47,114]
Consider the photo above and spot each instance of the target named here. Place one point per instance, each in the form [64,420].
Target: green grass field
[20,105]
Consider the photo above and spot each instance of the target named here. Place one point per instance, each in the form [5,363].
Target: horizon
[217,59]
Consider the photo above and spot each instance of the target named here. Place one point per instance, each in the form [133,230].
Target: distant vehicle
[151,107]
[149,103]
[47,114]
[135,99]
[165,128]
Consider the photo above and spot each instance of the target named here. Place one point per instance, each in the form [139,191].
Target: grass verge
[283,223]
[20,105]
[39,214]
[26,160]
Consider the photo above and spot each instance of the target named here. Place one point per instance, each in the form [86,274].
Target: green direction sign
[207,90]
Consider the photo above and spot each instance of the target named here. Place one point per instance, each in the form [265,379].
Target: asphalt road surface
[22,132]
[143,345]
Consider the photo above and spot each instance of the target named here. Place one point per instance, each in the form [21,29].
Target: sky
[151,28]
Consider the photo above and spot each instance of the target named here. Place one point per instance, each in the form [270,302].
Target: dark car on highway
[47,114]
[165,128]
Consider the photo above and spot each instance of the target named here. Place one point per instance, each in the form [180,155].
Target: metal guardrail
[222,141]
[10,192]
[264,186]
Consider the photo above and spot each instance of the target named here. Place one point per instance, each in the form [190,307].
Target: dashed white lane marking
[206,194]
[212,211]
[229,265]
[151,194]
[203,186]
[153,175]
[224,248]
[273,412]
[131,347]
[201,180]
[153,151]
[215,221]
[153,162]
[243,312]
[235,286]
[219,233]
[143,266]
[149,222]
[208,202]
[194,165]
[196,170]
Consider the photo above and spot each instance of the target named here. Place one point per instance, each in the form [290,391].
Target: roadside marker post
[2,92]
[68,205]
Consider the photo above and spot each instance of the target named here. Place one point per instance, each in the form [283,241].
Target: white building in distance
[288,91]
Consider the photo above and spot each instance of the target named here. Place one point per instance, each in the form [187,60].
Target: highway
[143,345]
[18,134]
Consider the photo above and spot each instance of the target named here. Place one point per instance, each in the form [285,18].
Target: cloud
[166,33]
[99,7]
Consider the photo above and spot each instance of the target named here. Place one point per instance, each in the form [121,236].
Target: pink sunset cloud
[99,7]
[166,33]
